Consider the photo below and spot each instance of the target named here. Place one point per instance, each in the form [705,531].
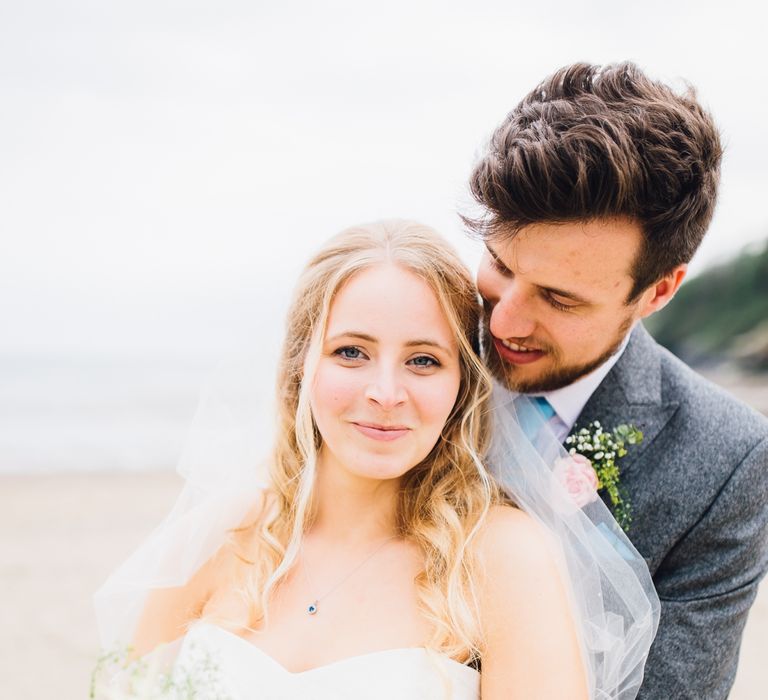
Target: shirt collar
[569,401]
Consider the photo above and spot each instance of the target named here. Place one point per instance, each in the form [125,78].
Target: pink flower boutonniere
[577,475]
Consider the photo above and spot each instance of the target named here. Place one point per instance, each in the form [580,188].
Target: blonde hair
[444,499]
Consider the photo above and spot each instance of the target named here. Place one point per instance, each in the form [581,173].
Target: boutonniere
[603,449]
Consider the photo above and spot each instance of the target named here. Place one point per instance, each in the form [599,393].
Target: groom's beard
[559,373]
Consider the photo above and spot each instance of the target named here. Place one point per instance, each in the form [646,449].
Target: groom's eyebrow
[550,290]
[564,293]
[499,262]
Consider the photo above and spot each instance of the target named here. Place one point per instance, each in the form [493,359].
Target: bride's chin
[384,472]
[369,465]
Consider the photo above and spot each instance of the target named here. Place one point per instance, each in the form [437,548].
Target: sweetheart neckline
[338,662]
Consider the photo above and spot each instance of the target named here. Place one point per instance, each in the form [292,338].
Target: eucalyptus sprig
[603,449]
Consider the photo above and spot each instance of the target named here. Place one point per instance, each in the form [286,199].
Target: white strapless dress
[227,667]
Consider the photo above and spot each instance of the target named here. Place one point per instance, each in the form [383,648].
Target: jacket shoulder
[709,411]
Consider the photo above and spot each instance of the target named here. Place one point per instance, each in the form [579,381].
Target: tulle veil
[222,465]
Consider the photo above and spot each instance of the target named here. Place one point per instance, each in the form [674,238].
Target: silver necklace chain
[312,608]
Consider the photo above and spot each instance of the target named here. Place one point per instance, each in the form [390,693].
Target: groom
[596,191]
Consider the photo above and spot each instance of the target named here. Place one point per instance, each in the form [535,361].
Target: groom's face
[555,298]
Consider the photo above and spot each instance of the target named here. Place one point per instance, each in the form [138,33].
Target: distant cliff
[721,314]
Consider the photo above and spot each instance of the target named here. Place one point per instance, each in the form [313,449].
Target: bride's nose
[386,388]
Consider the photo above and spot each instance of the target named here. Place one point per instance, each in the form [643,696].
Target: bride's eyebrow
[352,334]
[428,342]
[370,339]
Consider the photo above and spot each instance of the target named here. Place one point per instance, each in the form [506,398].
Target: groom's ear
[659,294]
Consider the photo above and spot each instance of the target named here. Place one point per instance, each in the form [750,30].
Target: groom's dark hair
[599,142]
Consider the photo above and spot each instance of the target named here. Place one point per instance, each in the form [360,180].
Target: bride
[396,551]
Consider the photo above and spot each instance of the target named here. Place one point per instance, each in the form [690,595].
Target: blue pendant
[312,609]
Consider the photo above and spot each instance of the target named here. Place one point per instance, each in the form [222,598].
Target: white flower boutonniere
[603,449]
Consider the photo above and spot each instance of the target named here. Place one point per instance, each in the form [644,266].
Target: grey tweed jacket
[698,485]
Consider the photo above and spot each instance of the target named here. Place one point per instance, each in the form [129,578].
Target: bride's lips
[384,433]
[517,357]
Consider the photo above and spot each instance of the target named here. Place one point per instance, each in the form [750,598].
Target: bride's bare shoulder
[168,612]
[525,604]
[520,560]
[510,537]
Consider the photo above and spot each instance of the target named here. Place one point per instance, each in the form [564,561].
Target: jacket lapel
[631,393]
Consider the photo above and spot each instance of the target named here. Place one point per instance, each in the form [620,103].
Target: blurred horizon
[131,410]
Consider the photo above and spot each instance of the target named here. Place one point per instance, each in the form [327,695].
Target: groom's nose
[507,301]
[512,314]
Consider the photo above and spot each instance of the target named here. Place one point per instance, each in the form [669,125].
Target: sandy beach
[61,535]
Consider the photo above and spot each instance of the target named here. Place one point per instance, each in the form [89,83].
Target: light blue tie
[545,408]
[532,414]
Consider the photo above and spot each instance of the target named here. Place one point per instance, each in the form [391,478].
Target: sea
[62,413]
[132,412]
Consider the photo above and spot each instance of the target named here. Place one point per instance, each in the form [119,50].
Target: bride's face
[388,375]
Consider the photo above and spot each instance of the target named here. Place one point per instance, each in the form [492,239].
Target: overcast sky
[166,166]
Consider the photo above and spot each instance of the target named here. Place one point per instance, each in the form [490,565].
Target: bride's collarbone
[375,609]
[383,598]
[374,613]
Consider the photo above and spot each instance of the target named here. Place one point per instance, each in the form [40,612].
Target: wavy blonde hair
[445,498]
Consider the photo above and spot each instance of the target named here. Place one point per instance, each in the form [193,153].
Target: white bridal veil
[612,592]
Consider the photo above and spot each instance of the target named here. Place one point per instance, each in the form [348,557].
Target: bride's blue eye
[350,352]
[424,361]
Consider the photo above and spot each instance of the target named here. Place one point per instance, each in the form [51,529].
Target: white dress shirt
[569,401]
